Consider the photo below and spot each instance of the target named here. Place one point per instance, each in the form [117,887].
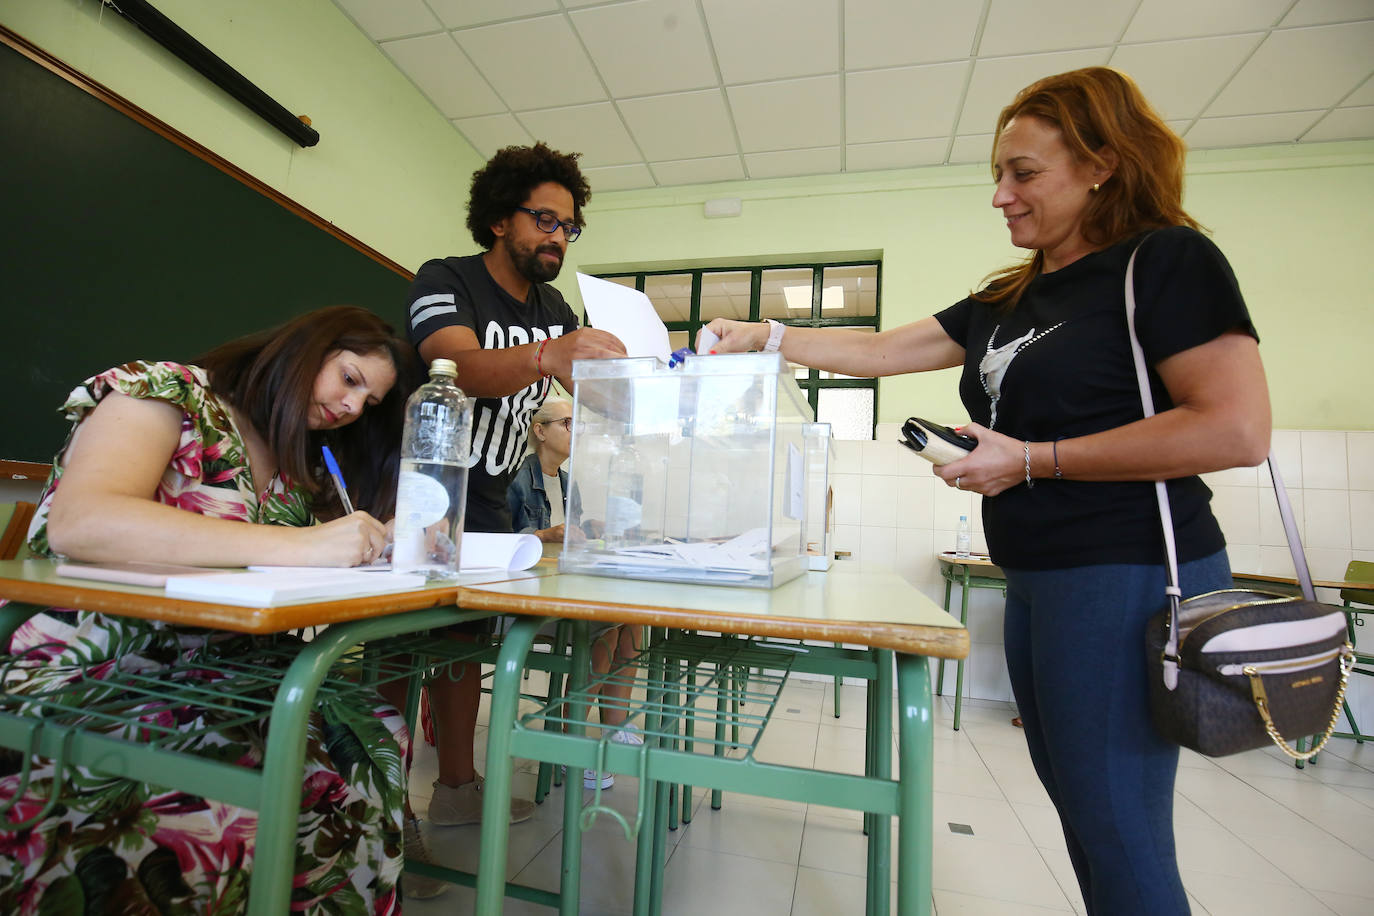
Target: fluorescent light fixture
[798,298]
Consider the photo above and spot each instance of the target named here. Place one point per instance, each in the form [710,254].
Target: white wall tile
[985,672]
[878,502]
[950,504]
[1362,519]
[1323,459]
[1328,518]
[1275,561]
[1286,444]
[1359,451]
[848,457]
[1327,562]
[1237,511]
[915,502]
[1271,525]
[848,498]
[847,538]
[878,546]
[916,562]
[1232,477]
[1244,557]
[985,611]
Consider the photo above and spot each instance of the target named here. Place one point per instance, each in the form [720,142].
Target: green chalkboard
[117,243]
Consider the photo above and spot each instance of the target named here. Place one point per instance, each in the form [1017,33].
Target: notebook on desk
[153,575]
[287,586]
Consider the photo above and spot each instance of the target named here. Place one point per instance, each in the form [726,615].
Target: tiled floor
[1257,836]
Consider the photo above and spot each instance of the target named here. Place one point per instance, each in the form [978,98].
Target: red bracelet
[538,356]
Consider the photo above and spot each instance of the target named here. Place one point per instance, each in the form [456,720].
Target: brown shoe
[418,887]
[454,806]
[1016,721]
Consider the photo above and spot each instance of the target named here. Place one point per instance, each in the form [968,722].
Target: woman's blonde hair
[544,414]
[1099,109]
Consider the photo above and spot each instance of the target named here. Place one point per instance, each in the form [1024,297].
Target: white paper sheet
[482,550]
[628,314]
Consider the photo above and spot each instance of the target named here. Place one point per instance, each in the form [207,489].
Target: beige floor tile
[1222,895]
[1344,904]
[1041,823]
[1002,871]
[1327,864]
[707,882]
[950,903]
[837,844]
[828,893]
[853,707]
[990,818]
[745,829]
[1220,852]
[1062,869]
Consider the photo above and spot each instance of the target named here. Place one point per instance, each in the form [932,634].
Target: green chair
[14,525]
[1358,571]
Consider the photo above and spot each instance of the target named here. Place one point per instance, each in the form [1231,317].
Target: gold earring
[1096,186]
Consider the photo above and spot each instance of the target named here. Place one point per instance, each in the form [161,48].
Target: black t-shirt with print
[1068,372]
[461,291]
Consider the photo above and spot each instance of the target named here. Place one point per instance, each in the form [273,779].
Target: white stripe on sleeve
[435,299]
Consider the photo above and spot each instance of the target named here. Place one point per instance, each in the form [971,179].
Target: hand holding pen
[372,535]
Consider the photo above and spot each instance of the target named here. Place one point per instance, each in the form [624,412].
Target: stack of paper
[288,585]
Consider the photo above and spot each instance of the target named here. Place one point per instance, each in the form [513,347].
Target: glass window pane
[786,293]
[623,281]
[849,411]
[725,295]
[849,292]
[671,295]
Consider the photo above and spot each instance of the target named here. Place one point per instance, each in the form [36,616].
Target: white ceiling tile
[684,125]
[774,39]
[619,177]
[595,131]
[494,132]
[996,82]
[895,33]
[1299,69]
[972,148]
[533,63]
[791,162]
[1250,130]
[668,54]
[794,114]
[1018,27]
[1362,96]
[1181,77]
[441,71]
[698,171]
[897,154]
[1344,124]
[382,19]
[459,13]
[903,104]
[1179,127]
[1321,12]
[1163,19]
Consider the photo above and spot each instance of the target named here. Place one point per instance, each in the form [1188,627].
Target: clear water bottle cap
[444,367]
[963,518]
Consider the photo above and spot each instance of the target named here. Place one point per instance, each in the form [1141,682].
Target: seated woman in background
[215,464]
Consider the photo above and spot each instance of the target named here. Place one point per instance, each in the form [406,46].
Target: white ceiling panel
[897,154]
[774,39]
[654,92]
[1163,19]
[671,53]
[897,33]
[996,81]
[1299,69]
[460,13]
[595,131]
[494,132]
[619,177]
[908,103]
[1018,27]
[699,171]
[793,162]
[382,19]
[1181,77]
[1322,12]
[794,114]
[1250,130]
[533,63]
[440,70]
[1344,124]
[682,126]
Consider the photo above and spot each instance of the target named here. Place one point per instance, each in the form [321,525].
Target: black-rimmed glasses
[566,423]
[547,222]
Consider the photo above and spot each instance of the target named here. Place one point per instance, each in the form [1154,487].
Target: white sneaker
[630,734]
[590,778]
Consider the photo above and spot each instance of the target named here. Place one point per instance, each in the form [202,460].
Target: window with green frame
[838,295]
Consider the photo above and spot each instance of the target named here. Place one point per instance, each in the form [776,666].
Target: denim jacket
[529,504]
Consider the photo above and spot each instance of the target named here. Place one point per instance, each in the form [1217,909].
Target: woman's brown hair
[270,377]
[1098,109]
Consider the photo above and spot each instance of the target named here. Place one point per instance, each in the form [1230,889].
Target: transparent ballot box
[820,498]
[689,474]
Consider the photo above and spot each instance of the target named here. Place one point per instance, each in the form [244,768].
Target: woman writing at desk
[1085,172]
[216,464]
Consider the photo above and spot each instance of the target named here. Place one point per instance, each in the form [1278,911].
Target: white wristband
[775,329]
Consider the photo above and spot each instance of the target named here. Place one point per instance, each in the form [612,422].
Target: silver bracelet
[1029,483]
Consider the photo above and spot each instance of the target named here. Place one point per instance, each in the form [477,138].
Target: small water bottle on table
[432,490]
[963,538]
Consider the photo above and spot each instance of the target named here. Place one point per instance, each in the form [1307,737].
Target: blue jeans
[1075,644]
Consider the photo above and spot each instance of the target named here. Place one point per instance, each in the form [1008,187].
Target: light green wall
[1295,222]
[389,169]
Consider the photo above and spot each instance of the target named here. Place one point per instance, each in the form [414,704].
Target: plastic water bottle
[432,491]
[963,538]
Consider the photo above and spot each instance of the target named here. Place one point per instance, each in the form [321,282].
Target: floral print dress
[111,846]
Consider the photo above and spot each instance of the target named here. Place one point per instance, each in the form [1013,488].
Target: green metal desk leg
[880,835]
[839,682]
[505,695]
[654,799]
[959,667]
[570,884]
[948,575]
[915,769]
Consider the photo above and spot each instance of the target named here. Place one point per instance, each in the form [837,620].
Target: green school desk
[866,608]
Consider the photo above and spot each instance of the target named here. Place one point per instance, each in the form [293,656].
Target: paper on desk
[483,550]
[627,313]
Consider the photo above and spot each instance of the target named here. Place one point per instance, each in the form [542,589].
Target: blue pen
[334,472]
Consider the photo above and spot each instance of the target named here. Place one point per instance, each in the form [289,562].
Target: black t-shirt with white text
[461,291]
[1059,365]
